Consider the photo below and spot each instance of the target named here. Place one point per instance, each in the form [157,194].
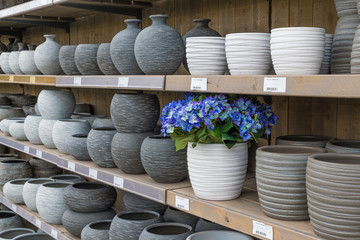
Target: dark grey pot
[43,169]
[135,202]
[45,132]
[205,225]
[9,219]
[159,49]
[14,169]
[85,59]
[104,60]
[166,231]
[87,197]
[68,178]
[122,48]
[74,222]
[77,147]
[125,151]
[14,232]
[34,236]
[67,60]
[135,113]
[99,146]
[129,224]
[174,215]
[98,230]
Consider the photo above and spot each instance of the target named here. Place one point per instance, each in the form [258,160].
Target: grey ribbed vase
[27,63]
[14,62]
[85,59]
[104,61]
[122,48]
[98,230]
[4,63]
[67,60]
[31,128]
[76,145]
[16,130]
[159,49]
[47,56]
[13,190]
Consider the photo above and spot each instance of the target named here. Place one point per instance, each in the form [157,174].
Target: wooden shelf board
[41,80]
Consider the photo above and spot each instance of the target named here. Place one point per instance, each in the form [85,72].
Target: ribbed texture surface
[104,61]
[5,124]
[303,140]
[29,192]
[14,63]
[27,63]
[13,190]
[77,147]
[219,235]
[16,130]
[98,230]
[47,56]
[14,169]
[45,132]
[43,169]
[67,60]
[4,63]
[85,59]
[56,104]
[31,128]
[166,231]
[343,146]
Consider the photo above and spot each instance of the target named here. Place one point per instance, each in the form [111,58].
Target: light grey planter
[34,236]
[27,63]
[99,146]
[219,235]
[98,230]
[31,128]
[13,190]
[14,62]
[82,108]
[103,123]
[125,150]
[67,60]
[30,190]
[122,48]
[47,56]
[159,49]
[14,169]
[174,215]
[16,130]
[9,219]
[303,140]
[4,63]
[5,124]
[56,104]
[50,203]
[343,146]
[135,203]
[68,178]
[76,145]
[43,169]
[104,60]
[45,132]
[85,59]
[10,112]
[14,232]
[166,231]
[205,225]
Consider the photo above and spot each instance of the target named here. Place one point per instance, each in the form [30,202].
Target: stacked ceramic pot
[30,190]
[248,53]
[343,146]
[87,202]
[206,55]
[280,179]
[344,36]
[135,117]
[297,50]
[326,63]
[333,194]
[303,140]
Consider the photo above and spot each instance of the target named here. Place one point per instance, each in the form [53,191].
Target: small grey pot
[104,60]
[166,231]
[13,190]
[77,147]
[67,60]
[30,190]
[98,230]
[16,130]
[85,59]
[45,132]
[31,128]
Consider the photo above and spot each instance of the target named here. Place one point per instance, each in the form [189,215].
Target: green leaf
[229,144]
[228,137]
[227,126]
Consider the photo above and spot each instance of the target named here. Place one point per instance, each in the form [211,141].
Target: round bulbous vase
[166,231]
[16,130]
[85,59]
[5,124]
[135,113]
[45,132]
[159,49]
[9,219]
[13,169]
[135,203]
[67,60]
[129,224]
[14,62]
[105,122]
[34,236]
[98,230]
[27,63]
[75,222]
[125,151]
[212,181]
[31,128]
[104,61]
[50,203]
[43,169]
[56,104]
[99,146]
[161,161]
[174,215]
[4,63]
[10,112]
[46,56]
[219,235]
[205,225]
[30,190]
[76,146]
[13,190]
[14,232]
[68,178]
[122,48]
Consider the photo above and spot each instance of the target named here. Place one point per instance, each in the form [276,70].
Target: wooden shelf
[41,80]
[56,231]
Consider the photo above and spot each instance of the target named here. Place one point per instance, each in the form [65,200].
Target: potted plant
[218,129]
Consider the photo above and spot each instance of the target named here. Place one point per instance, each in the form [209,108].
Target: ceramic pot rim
[133,20]
[91,225]
[307,138]
[16,229]
[160,137]
[34,115]
[80,135]
[65,176]
[21,180]
[129,212]
[169,224]
[80,185]
[104,129]
[289,150]
[41,180]
[70,120]
[56,184]
[336,142]
[323,158]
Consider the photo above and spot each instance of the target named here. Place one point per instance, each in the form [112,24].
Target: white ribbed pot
[14,62]
[45,132]
[216,172]
[46,56]
[27,63]
[13,190]
[4,63]
[16,130]
[30,189]
[31,128]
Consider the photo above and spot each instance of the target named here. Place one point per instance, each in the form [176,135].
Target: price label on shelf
[123,82]
[198,84]
[71,166]
[38,223]
[11,78]
[32,79]
[54,233]
[13,207]
[26,149]
[275,84]
[93,173]
[118,182]
[77,81]
[38,154]
[182,203]
[263,230]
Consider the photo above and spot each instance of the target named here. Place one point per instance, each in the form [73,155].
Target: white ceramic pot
[31,128]
[27,63]
[14,62]
[13,190]
[16,130]
[216,172]
[45,132]
[30,190]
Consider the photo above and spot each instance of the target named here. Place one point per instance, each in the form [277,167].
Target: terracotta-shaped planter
[27,63]
[67,60]
[166,231]
[98,230]
[14,62]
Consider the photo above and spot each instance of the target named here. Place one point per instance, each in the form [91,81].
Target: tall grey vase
[104,61]
[159,49]
[122,48]
[85,59]
[67,60]
[47,56]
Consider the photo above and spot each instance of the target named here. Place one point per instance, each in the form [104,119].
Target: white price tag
[119,182]
[263,230]
[54,233]
[13,207]
[38,154]
[199,84]
[71,166]
[77,81]
[38,223]
[182,203]
[26,149]
[123,82]
[275,84]
[93,173]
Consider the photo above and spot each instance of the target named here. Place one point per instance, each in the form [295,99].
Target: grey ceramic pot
[104,61]
[16,130]
[135,113]
[45,132]
[27,63]
[74,222]
[30,190]
[205,225]
[10,112]
[122,48]
[166,231]
[103,123]
[20,100]
[89,117]
[34,236]
[14,169]
[343,146]
[56,104]
[85,59]
[9,219]
[129,224]
[65,128]
[99,146]
[159,49]
[4,63]
[31,128]
[14,232]
[50,203]
[98,230]
[14,62]
[174,215]
[218,235]
[161,161]
[43,169]
[67,60]
[76,146]
[125,151]
[135,202]
[68,178]
[89,197]
[13,190]
[5,124]
[82,108]
[47,56]
[303,140]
